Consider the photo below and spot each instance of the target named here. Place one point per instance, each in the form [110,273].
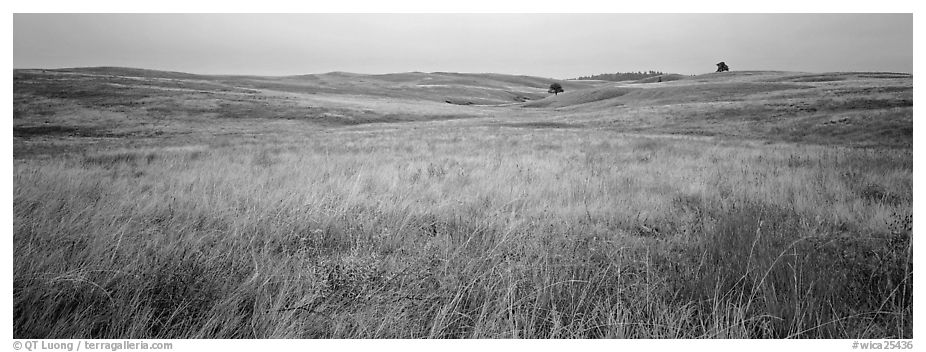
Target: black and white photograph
[554,176]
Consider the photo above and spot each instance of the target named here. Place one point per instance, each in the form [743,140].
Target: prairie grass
[465,232]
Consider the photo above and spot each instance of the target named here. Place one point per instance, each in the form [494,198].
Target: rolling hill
[860,108]
[155,205]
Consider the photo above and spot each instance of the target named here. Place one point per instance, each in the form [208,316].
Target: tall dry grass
[465,233]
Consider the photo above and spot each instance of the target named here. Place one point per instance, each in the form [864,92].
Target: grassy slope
[857,109]
[439,86]
[177,206]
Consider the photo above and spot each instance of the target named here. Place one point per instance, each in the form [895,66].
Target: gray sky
[549,45]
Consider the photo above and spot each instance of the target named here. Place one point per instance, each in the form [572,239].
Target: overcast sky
[549,45]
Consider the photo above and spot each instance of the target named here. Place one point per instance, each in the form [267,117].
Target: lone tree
[555,88]
[722,67]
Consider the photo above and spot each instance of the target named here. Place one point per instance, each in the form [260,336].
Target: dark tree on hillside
[722,67]
[555,88]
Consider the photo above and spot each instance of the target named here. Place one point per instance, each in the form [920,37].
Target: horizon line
[431,72]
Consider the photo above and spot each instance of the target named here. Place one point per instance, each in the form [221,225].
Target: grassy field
[737,205]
